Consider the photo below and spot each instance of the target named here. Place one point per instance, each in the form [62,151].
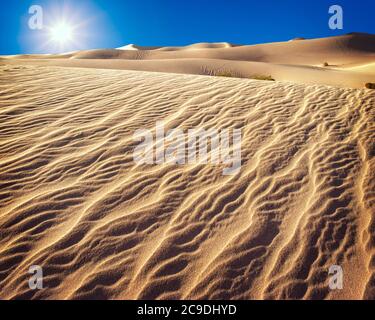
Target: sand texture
[73,201]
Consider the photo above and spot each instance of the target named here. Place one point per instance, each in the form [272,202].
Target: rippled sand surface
[73,201]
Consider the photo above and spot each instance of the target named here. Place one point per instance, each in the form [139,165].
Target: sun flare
[61,33]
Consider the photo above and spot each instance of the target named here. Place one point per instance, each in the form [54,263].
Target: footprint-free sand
[73,201]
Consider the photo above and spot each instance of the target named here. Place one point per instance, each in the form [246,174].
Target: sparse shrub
[226,73]
[221,73]
[262,77]
[325,64]
[233,74]
[370,85]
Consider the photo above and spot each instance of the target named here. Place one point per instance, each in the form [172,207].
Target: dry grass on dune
[73,201]
[222,72]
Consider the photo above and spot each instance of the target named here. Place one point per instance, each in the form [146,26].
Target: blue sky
[114,23]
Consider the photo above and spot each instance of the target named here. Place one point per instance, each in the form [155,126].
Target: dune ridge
[326,61]
[73,201]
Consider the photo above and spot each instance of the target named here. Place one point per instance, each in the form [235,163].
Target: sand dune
[203,45]
[300,61]
[73,201]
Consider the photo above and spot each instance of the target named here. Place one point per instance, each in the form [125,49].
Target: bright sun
[62,33]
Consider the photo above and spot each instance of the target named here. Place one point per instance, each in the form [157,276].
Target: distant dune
[315,61]
[73,201]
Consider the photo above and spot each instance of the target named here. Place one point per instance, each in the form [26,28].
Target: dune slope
[73,201]
[326,61]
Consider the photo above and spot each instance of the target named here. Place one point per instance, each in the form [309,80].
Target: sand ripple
[73,201]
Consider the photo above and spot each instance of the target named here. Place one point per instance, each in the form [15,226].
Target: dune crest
[203,45]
